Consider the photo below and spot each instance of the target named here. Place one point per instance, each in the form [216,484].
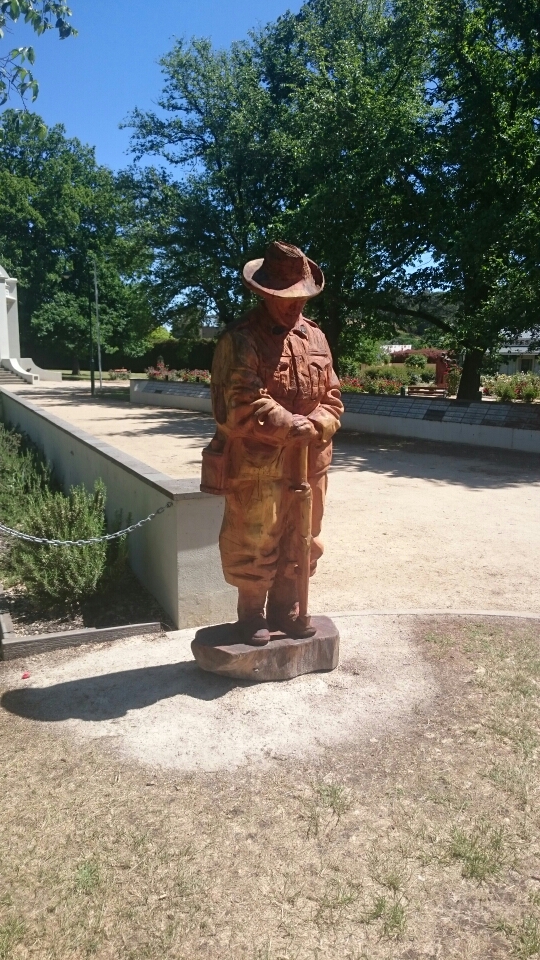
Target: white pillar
[4,334]
[13,318]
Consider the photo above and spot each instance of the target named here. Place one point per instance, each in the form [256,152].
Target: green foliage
[481,850]
[59,211]
[158,335]
[530,393]
[40,15]
[355,349]
[22,474]
[87,877]
[64,574]
[31,501]
[398,144]
[452,380]
[295,134]
[348,366]
[480,175]
[518,386]
[416,361]
[11,933]
[396,373]
[505,391]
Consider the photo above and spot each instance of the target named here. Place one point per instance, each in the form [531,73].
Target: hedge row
[178,354]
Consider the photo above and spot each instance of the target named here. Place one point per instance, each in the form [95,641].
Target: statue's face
[285,312]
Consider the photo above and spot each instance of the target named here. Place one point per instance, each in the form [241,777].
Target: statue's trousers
[259,535]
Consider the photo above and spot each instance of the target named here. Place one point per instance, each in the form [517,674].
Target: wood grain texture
[14,645]
[215,649]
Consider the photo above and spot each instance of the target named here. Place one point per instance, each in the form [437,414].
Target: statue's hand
[262,407]
[303,429]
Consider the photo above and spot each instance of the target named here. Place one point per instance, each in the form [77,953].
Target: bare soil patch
[150,701]
[419,840]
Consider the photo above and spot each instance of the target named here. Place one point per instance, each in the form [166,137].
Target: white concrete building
[10,346]
[521,357]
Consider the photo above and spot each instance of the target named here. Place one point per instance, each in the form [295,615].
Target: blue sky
[91,82]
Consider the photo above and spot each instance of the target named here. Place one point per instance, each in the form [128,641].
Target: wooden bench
[416,390]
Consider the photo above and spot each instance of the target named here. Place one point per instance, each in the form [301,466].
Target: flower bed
[162,372]
[373,386]
[518,386]
[374,380]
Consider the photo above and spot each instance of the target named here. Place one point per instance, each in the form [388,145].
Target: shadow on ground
[474,467]
[113,695]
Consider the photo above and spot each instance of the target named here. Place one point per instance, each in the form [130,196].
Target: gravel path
[408,524]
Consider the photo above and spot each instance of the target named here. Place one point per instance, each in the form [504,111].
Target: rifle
[302,489]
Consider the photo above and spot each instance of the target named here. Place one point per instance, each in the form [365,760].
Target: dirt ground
[406,837]
[149,699]
[408,524]
[386,811]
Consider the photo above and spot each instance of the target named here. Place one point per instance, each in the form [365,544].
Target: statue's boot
[252,624]
[282,611]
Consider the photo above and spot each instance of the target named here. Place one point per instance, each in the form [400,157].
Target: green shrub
[515,386]
[367,351]
[60,573]
[348,366]
[452,381]
[530,393]
[22,473]
[505,391]
[386,373]
[200,355]
[427,377]
[31,501]
[416,360]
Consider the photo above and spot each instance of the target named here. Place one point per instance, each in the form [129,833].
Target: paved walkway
[408,524]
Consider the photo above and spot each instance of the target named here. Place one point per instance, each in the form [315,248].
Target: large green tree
[59,212]
[301,133]
[480,177]
[398,144]
[349,78]
[218,129]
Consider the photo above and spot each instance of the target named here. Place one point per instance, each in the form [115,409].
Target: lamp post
[91,332]
[98,332]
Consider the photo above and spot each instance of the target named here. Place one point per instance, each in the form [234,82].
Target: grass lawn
[418,845]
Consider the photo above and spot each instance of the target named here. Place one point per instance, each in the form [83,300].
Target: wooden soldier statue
[277,404]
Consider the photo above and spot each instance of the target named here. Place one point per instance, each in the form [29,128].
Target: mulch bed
[125,601]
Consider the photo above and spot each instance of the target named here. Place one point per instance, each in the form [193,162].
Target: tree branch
[422,314]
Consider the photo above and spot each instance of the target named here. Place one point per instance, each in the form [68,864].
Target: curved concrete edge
[416,612]
[436,612]
[14,366]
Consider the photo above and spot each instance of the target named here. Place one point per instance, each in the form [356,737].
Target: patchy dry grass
[422,845]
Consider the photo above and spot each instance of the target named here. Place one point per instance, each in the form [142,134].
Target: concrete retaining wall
[181,396]
[484,424]
[175,555]
[487,424]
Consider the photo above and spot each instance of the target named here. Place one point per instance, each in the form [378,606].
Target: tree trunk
[75,366]
[469,385]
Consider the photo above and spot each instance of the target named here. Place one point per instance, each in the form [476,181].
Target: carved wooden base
[216,649]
